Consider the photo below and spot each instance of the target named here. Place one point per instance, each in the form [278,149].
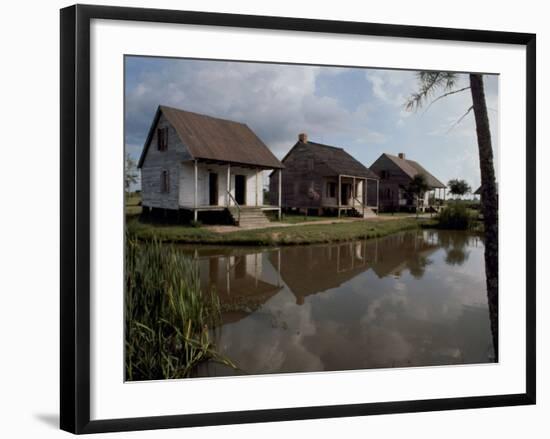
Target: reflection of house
[313,269]
[403,251]
[198,163]
[317,268]
[239,280]
[323,177]
[396,172]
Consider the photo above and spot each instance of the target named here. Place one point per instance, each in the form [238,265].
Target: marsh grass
[170,323]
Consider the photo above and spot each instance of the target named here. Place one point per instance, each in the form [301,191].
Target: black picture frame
[75,217]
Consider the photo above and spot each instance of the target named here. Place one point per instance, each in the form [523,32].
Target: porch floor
[205,208]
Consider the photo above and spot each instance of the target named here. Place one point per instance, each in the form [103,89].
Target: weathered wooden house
[200,163]
[396,172]
[325,178]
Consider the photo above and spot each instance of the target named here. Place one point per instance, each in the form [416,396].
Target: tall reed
[168,319]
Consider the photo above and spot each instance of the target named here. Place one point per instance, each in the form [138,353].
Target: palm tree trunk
[489,197]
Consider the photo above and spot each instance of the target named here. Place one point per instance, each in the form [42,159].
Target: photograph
[294,218]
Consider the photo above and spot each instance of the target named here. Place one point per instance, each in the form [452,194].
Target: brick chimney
[401,156]
[302,137]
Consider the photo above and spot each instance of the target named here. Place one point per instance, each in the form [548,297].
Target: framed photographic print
[268,218]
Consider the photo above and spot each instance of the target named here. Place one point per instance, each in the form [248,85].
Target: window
[310,164]
[384,174]
[165,182]
[331,189]
[162,139]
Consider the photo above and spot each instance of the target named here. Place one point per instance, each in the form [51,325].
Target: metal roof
[412,168]
[212,138]
[336,159]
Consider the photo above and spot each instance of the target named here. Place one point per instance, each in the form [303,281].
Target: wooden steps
[358,212]
[250,217]
[369,213]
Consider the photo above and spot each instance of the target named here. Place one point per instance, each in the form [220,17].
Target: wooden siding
[391,178]
[304,180]
[180,166]
[155,162]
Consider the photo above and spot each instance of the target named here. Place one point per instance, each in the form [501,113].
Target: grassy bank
[292,235]
[294,218]
[133,204]
[168,319]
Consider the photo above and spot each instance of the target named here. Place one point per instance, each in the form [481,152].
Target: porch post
[353,191]
[339,193]
[228,187]
[195,213]
[363,198]
[280,191]
[377,196]
[256,188]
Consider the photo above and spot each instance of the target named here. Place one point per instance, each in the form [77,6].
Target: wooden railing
[360,204]
[237,206]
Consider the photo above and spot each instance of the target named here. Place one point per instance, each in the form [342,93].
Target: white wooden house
[195,162]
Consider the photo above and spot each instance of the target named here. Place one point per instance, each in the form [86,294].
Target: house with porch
[323,178]
[396,173]
[199,163]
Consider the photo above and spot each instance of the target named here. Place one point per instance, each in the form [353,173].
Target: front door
[345,193]
[240,189]
[213,189]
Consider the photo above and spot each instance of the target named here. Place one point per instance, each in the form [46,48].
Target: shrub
[456,216]
[169,321]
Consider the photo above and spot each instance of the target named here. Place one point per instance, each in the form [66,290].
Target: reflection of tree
[456,256]
[455,245]
[417,265]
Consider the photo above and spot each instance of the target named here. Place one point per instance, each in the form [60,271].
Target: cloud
[361,110]
[391,86]
[276,101]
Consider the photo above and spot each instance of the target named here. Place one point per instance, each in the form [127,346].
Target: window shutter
[167,181]
[165,138]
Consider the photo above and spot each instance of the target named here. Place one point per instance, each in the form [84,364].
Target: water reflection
[411,299]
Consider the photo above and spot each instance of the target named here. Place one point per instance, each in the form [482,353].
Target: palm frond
[429,83]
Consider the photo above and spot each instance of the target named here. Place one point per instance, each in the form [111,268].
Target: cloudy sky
[361,110]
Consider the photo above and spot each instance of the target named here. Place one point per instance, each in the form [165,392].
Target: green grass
[133,204]
[396,214]
[293,218]
[305,234]
[169,321]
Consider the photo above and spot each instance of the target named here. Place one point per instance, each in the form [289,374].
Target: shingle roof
[336,159]
[211,138]
[412,168]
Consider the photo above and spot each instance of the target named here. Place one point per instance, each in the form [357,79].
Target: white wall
[30,280]
[187,184]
